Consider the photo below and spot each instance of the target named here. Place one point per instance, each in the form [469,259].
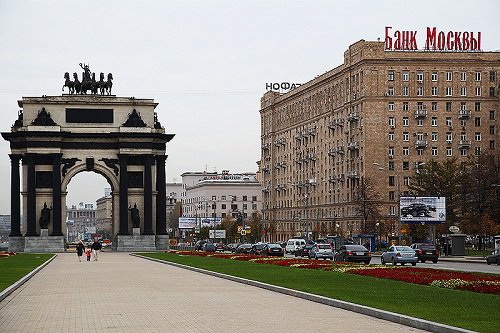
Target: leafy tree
[256,228]
[368,201]
[323,229]
[231,227]
[204,232]
[173,218]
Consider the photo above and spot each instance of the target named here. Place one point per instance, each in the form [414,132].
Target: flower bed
[476,282]
[7,254]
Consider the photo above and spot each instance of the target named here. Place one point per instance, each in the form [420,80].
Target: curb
[366,310]
[6,292]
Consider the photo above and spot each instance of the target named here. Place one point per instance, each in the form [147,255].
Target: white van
[293,244]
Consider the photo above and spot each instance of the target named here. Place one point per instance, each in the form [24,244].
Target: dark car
[353,253]
[426,252]
[220,247]
[198,246]
[272,249]
[415,210]
[232,247]
[303,251]
[494,258]
[244,248]
[208,247]
[257,248]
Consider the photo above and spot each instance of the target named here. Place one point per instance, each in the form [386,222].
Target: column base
[162,242]
[44,244]
[16,244]
[135,242]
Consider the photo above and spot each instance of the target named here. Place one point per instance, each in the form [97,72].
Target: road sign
[454,229]
[243,232]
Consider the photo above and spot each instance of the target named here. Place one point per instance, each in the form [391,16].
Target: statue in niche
[134,215]
[45,216]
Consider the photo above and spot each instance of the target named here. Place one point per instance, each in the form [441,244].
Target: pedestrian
[88,253]
[80,248]
[96,247]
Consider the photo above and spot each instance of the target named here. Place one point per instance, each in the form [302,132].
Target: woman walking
[80,248]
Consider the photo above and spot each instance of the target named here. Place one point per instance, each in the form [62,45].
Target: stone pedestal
[44,243]
[136,231]
[162,242]
[136,242]
[16,244]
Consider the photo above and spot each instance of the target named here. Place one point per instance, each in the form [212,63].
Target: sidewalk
[121,293]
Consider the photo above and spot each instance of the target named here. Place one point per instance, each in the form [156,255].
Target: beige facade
[377,116]
[104,213]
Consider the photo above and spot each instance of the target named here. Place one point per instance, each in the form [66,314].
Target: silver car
[399,254]
[321,251]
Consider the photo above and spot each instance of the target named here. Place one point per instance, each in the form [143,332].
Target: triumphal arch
[57,137]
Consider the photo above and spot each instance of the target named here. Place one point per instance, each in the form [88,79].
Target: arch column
[148,197]
[56,195]
[123,210]
[15,201]
[161,196]
[31,196]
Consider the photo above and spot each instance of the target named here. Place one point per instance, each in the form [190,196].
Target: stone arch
[110,177]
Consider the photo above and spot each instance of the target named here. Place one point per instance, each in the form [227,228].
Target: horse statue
[109,84]
[93,83]
[77,84]
[68,83]
[101,84]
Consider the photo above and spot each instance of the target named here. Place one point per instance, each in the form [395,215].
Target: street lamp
[379,236]
[305,217]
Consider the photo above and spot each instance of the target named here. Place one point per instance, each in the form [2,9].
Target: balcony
[332,151]
[265,146]
[311,131]
[353,116]
[421,144]
[340,150]
[353,174]
[340,122]
[421,113]
[464,144]
[265,168]
[353,145]
[265,189]
[332,179]
[332,124]
[340,177]
[464,114]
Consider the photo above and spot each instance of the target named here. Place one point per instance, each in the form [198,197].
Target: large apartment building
[378,116]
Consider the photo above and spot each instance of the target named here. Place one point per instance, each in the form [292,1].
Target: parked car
[208,247]
[272,249]
[232,246]
[416,209]
[198,246]
[257,248]
[353,253]
[321,251]
[494,258]
[303,251]
[426,252]
[399,254]
[244,248]
[293,244]
[220,247]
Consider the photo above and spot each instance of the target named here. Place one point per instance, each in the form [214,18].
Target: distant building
[104,213]
[81,221]
[4,227]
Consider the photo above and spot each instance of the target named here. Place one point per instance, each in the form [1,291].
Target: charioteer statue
[88,82]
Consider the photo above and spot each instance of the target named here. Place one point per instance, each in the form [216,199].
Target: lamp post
[379,236]
[305,217]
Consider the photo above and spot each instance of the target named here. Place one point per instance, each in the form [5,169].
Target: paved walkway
[121,293]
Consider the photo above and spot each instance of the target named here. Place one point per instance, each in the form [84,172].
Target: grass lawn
[13,268]
[458,308]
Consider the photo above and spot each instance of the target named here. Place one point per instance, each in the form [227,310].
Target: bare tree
[368,201]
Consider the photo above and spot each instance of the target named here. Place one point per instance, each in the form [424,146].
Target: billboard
[218,234]
[192,222]
[424,210]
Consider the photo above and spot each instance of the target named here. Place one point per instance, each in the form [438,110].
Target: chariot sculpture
[88,83]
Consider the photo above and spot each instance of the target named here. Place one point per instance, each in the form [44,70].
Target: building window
[406,181]
[434,76]
[214,197]
[420,76]
[406,75]
[448,91]
[390,106]
[406,91]
[434,91]
[390,76]
[492,144]
[223,215]
[420,91]
[391,136]
[478,91]
[477,136]
[449,137]
[392,211]
[463,122]
[390,166]
[492,115]
[244,206]
[244,198]
[392,196]
[463,76]
[463,106]
[448,122]
[392,122]
[463,91]
[234,207]
[477,121]
[493,76]
[254,206]
[477,106]
[391,180]
[477,151]
[463,152]
[492,130]
[420,151]
[406,106]
[420,122]
[254,198]
[449,76]
[223,198]
[448,107]
[406,121]
[390,151]
[492,91]
[406,136]
[434,121]
[434,151]
[406,151]
[390,91]
[478,76]
[449,151]
[434,136]
[406,165]
[223,206]
[434,106]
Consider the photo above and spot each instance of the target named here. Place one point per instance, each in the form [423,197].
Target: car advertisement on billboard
[425,210]
[192,222]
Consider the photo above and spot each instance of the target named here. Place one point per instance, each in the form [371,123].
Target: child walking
[88,253]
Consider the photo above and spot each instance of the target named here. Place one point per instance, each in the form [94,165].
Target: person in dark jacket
[96,247]
[80,248]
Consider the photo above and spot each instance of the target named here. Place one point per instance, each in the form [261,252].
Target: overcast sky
[205,62]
